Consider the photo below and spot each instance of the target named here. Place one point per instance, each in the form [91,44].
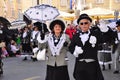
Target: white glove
[103,26]
[77,51]
[35,50]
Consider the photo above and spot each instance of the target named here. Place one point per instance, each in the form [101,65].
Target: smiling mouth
[58,29]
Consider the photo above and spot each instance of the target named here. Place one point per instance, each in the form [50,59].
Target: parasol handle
[42,32]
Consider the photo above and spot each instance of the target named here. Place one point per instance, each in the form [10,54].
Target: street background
[16,69]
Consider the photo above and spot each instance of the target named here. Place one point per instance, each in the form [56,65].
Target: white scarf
[39,38]
[24,34]
[56,49]
[34,33]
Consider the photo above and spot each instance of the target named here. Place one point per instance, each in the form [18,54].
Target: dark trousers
[86,71]
[1,64]
[0,54]
[26,48]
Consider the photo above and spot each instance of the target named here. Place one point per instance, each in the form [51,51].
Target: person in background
[56,50]
[4,52]
[34,42]
[26,44]
[2,45]
[14,48]
[34,35]
[5,35]
[70,30]
[41,31]
[84,46]
[116,47]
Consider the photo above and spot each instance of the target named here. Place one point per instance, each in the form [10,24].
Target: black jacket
[89,51]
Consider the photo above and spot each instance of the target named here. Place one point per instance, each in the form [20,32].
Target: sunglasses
[82,23]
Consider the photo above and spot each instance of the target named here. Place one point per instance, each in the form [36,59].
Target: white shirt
[24,34]
[118,35]
[84,37]
[14,49]
[34,35]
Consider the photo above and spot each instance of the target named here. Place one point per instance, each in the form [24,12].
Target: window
[19,1]
[117,0]
[11,0]
[13,12]
[83,1]
[20,15]
[99,1]
[63,2]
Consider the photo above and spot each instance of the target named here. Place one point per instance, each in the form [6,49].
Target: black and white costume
[84,46]
[116,50]
[116,47]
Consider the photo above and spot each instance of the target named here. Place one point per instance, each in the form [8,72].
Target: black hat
[41,26]
[57,21]
[37,24]
[84,16]
[118,23]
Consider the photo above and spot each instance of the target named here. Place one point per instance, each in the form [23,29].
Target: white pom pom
[93,40]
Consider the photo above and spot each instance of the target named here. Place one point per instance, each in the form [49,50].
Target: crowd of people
[83,41]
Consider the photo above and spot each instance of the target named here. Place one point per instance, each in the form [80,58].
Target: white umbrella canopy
[42,13]
[17,24]
[97,12]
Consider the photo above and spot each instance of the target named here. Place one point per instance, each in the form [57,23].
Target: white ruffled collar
[56,49]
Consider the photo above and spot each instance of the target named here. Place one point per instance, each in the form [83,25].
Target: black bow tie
[85,32]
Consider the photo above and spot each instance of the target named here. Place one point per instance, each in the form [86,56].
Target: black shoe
[109,66]
[25,59]
[1,68]
[116,72]
[103,67]
[34,59]
[1,72]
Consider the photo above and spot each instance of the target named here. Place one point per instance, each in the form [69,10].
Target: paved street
[16,69]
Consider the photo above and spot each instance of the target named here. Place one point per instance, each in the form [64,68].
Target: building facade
[14,9]
[107,4]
